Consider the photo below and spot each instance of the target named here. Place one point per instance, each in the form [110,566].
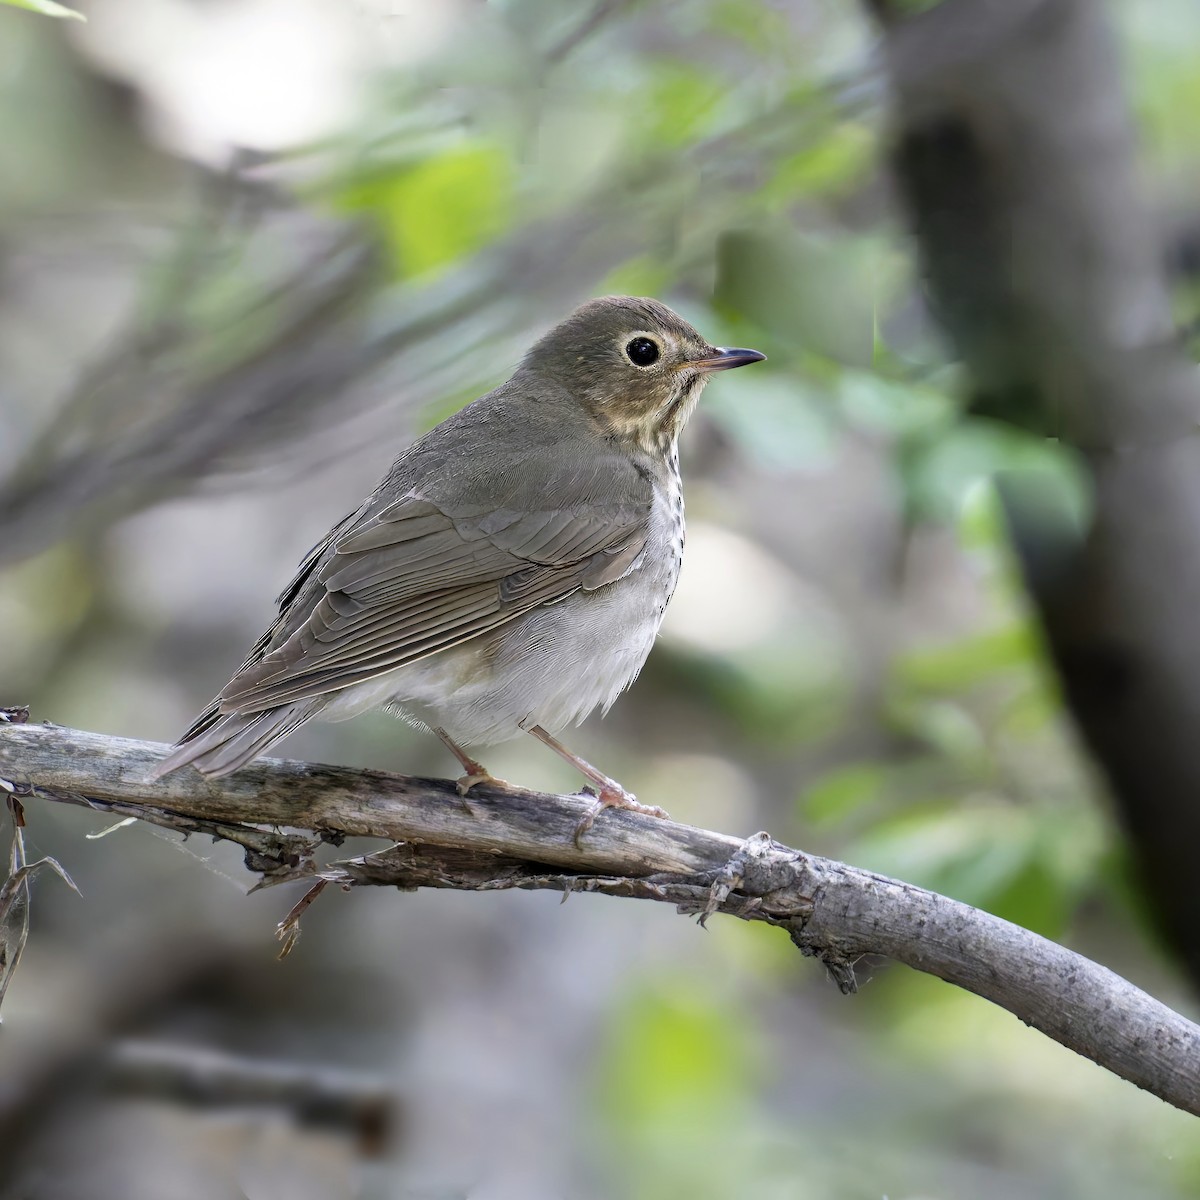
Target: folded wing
[407,580]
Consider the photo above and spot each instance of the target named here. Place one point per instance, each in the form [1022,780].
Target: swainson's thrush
[510,572]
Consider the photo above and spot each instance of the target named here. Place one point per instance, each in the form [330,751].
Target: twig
[314,1094]
[520,839]
[579,33]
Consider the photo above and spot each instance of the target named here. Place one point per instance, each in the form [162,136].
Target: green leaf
[439,209]
[47,8]
[640,276]
[961,664]
[792,689]
[779,420]
[1030,865]
[894,407]
[822,293]
[758,25]
[945,727]
[839,793]
[671,1048]
[682,102]
[942,472]
[973,852]
[831,165]
[675,1087]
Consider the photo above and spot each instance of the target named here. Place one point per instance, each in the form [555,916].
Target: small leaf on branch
[47,8]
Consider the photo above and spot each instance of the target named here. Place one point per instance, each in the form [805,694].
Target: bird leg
[476,772]
[609,793]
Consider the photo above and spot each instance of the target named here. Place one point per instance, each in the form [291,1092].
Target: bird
[510,572]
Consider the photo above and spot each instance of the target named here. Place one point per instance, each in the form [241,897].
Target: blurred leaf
[941,472]
[961,664]
[831,165]
[439,209]
[1035,899]
[1161,49]
[582,142]
[970,852]
[838,794]
[1028,865]
[681,103]
[755,949]
[641,276]
[760,26]
[944,726]
[47,8]
[779,693]
[675,1085]
[778,420]
[981,524]
[816,293]
[1031,709]
[671,1049]
[894,407]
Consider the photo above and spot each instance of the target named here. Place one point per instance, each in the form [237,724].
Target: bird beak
[725,359]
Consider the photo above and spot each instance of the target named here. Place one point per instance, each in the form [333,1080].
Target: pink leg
[609,793]
[475,772]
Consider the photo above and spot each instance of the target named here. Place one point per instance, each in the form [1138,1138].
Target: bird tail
[218,743]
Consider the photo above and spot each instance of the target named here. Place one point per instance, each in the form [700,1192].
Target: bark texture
[281,811]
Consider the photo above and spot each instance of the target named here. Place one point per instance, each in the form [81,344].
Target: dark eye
[642,351]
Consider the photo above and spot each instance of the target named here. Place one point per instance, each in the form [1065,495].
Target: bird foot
[476,772]
[612,795]
[733,874]
[481,775]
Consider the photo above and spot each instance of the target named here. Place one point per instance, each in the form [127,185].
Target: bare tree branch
[344,1101]
[1015,154]
[510,838]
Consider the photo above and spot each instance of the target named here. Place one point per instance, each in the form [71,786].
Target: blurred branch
[51,1066]
[579,34]
[510,838]
[1016,158]
[182,396]
[315,1095]
[136,427]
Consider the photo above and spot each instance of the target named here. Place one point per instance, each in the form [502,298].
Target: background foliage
[247,250]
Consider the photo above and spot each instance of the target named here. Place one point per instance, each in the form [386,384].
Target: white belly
[550,667]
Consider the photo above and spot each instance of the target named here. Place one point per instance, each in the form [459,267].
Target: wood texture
[280,811]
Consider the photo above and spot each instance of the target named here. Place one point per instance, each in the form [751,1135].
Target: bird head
[636,366]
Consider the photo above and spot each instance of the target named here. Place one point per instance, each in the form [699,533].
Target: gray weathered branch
[519,839]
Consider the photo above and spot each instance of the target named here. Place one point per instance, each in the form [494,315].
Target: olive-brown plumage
[510,572]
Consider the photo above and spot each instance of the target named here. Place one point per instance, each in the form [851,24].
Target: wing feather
[409,580]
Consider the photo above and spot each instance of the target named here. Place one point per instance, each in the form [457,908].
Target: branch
[511,838]
[1016,159]
[314,1095]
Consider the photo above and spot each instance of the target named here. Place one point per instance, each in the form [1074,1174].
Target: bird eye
[642,351]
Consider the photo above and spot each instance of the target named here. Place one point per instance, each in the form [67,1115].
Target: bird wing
[404,578]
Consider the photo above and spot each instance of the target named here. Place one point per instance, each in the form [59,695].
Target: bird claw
[733,873]
[614,797]
[465,783]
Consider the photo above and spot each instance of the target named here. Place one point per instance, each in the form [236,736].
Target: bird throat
[658,432]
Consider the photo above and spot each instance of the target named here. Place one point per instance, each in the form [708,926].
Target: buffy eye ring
[642,351]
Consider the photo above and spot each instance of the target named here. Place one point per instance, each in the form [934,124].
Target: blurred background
[248,250]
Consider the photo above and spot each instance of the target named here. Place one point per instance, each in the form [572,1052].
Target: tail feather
[218,744]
